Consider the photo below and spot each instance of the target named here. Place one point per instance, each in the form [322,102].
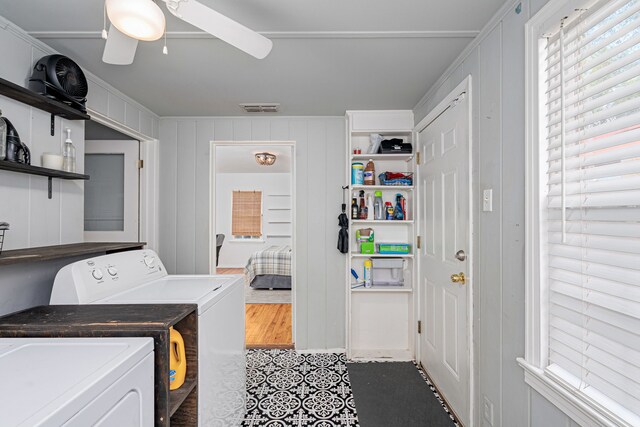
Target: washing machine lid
[177,289]
[48,380]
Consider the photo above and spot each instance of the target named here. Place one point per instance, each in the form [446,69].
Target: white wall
[495,60]
[276,223]
[36,220]
[320,157]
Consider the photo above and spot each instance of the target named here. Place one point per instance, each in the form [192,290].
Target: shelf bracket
[53,132]
[50,179]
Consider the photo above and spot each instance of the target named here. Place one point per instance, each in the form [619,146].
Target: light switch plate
[487,200]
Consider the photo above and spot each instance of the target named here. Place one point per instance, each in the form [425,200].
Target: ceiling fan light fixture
[139,19]
[265,159]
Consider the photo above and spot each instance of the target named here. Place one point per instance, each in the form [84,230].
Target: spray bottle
[69,154]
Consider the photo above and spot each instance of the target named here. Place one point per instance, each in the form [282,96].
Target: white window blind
[591,219]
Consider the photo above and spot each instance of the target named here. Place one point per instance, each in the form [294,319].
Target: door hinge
[418,242]
[140,164]
[419,326]
[418,158]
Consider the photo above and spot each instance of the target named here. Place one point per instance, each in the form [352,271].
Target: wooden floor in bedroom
[267,325]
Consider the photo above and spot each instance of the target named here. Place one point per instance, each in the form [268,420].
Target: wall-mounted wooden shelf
[37,170]
[48,253]
[41,102]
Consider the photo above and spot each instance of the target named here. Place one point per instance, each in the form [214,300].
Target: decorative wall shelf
[40,171]
[29,97]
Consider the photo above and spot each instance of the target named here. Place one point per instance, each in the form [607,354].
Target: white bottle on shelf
[370,209]
[69,154]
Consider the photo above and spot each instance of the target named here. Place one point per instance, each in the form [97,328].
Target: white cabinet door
[111,196]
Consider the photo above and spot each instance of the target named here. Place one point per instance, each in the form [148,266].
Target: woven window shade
[246,215]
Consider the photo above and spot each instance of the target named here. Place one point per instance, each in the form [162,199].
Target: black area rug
[394,394]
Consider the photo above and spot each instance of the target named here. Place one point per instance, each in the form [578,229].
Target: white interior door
[445,224]
[111,196]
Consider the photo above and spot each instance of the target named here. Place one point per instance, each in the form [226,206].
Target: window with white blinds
[591,210]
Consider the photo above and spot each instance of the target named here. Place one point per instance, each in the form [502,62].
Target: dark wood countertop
[94,318]
[46,253]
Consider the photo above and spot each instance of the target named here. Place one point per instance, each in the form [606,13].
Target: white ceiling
[241,159]
[328,56]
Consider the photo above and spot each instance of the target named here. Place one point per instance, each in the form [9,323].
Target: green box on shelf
[367,248]
[394,248]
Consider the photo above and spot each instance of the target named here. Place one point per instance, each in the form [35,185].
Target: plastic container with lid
[357,173]
[370,173]
[378,206]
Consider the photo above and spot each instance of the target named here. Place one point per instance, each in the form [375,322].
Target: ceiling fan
[134,20]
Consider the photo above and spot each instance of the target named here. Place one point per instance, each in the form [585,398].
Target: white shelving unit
[380,319]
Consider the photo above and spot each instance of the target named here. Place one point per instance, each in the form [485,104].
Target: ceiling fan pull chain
[164,48]
[105,35]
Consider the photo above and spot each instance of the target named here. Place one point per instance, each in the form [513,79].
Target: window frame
[535,360]
[249,239]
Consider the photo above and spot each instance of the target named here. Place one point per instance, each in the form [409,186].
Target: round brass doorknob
[458,278]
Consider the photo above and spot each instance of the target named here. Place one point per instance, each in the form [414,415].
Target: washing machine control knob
[97,274]
[149,261]
[112,271]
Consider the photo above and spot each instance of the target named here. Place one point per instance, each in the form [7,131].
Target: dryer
[139,277]
[77,382]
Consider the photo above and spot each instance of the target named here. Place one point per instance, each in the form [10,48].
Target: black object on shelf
[37,170]
[58,77]
[29,97]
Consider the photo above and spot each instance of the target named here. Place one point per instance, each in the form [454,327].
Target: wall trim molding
[250,116]
[484,32]
[278,34]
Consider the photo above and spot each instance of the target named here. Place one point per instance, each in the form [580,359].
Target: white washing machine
[76,382]
[138,277]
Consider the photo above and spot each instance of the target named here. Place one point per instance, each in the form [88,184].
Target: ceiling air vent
[260,108]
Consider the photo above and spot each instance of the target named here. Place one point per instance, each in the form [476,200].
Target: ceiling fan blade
[220,26]
[120,49]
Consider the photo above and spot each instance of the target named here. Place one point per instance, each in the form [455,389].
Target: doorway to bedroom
[253,199]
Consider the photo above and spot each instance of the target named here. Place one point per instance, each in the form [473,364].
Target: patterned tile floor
[286,388]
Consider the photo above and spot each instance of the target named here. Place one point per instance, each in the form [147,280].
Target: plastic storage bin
[388,272]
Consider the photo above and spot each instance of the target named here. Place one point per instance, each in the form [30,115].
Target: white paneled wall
[495,60]
[36,220]
[276,213]
[184,208]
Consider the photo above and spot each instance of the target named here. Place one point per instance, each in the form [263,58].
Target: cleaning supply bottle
[370,174]
[368,268]
[399,212]
[69,154]
[354,208]
[378,206]
[363,208]
[389,210]
[370,208]
[177,360]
